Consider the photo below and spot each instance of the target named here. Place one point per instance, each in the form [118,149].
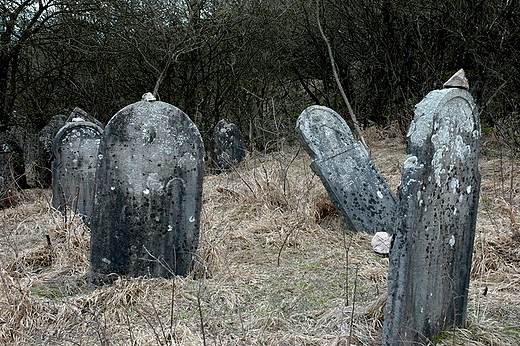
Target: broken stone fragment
[458,80]
[381,243]
[148,97]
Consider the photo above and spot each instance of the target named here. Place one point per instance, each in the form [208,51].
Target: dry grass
[274,267]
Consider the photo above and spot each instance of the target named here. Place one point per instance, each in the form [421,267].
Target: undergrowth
[275,266]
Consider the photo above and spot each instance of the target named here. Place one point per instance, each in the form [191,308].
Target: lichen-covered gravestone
[228,146]
[351,178]
[430,261]
[75,150]
[148,196]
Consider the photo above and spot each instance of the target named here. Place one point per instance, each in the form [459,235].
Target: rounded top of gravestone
[458,80]
[224,126]
[148,97]
[91,130]
[318,122]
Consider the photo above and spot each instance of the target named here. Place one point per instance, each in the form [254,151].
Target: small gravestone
[9,192]
[10,142]
[351,178]
[430,261]
[148,196]
[78,113]
[39,154]
[75,150]
[228,146]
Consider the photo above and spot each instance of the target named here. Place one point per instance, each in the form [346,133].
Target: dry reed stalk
[273,269]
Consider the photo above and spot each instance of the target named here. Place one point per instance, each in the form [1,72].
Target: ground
[275,266]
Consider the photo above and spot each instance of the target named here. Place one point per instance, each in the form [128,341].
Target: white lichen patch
[454,185]
[154,183]
[452,240]
[410,162]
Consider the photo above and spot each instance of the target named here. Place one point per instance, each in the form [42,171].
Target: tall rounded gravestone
[75,150]
[430,262]
[148,196]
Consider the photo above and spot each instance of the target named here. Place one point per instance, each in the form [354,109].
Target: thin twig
[336,77]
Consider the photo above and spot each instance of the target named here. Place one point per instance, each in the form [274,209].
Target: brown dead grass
[274,267]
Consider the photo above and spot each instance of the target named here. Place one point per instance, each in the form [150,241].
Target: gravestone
[39,153]
[148,195]
[228,146]
[75,151]
[9,192]
[430,260]
[10,143]
[78,113]
[351,178]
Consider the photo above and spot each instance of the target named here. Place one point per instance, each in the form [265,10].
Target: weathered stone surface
[39,154]
[9,191]
[430,260]
[458,80]
[11,144]
[75,150]
[148,196]
[228,146]
[79,114]
[148,97]
[351,178]
[381,243]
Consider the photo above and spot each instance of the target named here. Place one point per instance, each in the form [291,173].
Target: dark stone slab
[351,178]
[148,197]
[75,151]
[10,143]
[9,190]
[430,261]
[39,154]
[228,146]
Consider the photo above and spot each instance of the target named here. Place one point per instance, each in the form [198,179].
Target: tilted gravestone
[75,151]
[351,178]
[430,260]
[148,196]
[228,146]
[78,113]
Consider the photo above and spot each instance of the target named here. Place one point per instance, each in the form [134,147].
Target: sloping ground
[275,267]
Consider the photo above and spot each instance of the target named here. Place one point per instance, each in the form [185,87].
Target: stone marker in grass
[75,150]
[228,146]
[351,178]
[430,261]
[147,207]
[39,154]
[10,156]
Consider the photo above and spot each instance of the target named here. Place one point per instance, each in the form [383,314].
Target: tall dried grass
[274,267]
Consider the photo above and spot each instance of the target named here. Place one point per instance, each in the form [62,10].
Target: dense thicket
[257,63]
